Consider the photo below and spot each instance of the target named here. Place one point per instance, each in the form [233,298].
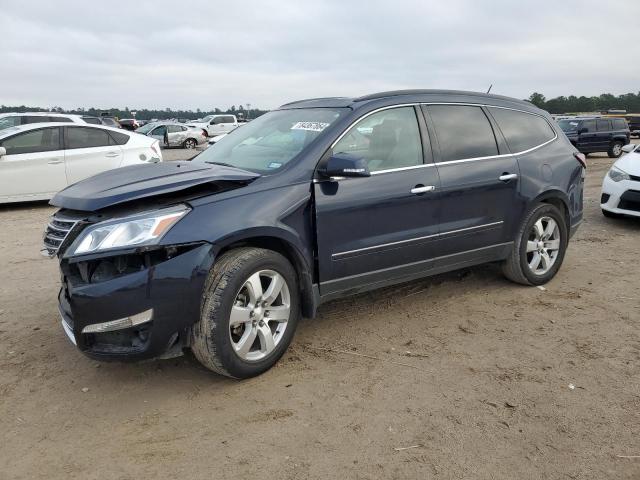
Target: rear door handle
[422,189]
[112,154]
[508,176]
[54,161]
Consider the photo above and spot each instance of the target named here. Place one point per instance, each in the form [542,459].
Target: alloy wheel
[259,315]
[617,149]
[543,245]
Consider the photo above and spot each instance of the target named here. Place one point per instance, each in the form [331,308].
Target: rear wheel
[615,149]
[539,248]
[249,313]
[190,143]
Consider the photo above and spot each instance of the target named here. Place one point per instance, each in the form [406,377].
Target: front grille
[634,178]
[57,233]
[630,200]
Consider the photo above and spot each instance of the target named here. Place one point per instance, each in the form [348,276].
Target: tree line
[572,104]
[142,113]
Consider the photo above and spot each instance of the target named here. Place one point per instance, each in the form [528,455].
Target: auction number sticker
[311,126]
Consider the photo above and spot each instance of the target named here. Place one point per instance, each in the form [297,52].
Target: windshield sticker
[311,126]
[274,165]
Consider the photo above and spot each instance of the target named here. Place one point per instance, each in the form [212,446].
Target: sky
[211,53]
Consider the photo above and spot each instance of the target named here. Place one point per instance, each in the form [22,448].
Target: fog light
[121,323]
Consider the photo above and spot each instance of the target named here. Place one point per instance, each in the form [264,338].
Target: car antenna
[490,86]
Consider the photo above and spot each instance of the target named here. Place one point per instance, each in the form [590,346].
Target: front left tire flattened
[212,340]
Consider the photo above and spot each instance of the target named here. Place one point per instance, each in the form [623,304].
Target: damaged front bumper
[135,305]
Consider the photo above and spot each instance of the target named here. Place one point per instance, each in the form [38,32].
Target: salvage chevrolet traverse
[316,200]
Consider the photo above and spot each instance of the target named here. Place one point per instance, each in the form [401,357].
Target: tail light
[153,147]
[581,157]
[204,133]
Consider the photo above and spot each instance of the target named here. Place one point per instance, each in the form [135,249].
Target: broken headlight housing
[136,230]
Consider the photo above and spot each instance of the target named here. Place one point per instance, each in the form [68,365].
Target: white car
[216,124]
[39,159]
[14,119]
[621,185]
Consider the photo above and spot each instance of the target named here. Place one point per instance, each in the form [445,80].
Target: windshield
[146,128]
[569,125]
[269,142]
[11,121]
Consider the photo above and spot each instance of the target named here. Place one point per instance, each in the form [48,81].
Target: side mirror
[346,165]
[630,147]
[3,151]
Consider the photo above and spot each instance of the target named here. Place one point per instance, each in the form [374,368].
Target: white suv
[39,159]
[14,119]
[216,124]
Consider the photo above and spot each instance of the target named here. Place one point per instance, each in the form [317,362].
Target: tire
[217,342]
[609,214]
[615,149]
[190,144]
[517,267]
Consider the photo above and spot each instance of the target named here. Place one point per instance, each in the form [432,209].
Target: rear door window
[590,125]
[84,137]
[463,132]
[521,130]
[603,125]
[33,141]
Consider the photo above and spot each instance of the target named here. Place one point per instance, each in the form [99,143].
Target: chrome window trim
[463,160]
[400,242]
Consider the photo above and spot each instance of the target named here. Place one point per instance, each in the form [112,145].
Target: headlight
[618,175]
[142,229]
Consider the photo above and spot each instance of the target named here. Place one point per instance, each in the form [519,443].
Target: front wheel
[539,247]
[249,313]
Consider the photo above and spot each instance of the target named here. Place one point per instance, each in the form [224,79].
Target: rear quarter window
[619,124]
[521,130]
[118,138]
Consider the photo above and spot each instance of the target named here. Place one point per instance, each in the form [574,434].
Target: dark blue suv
[597,134]
[316,200]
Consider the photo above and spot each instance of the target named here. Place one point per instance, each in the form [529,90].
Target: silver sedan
[174,134]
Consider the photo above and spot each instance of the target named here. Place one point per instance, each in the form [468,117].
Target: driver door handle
[54,161]
[422,189]
[508,176]
[112,154]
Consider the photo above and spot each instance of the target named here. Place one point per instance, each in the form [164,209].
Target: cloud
[203,54]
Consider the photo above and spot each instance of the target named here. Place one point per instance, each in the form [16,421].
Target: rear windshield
[269,142]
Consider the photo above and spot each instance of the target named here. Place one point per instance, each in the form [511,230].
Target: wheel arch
[287,248]
[558,199]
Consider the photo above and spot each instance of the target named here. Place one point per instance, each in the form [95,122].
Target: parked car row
[39,159]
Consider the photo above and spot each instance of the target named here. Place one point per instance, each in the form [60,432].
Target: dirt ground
[482,378]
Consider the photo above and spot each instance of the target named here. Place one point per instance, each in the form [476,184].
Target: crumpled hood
[142,181]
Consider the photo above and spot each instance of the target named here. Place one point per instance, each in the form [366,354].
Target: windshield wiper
[222,164]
